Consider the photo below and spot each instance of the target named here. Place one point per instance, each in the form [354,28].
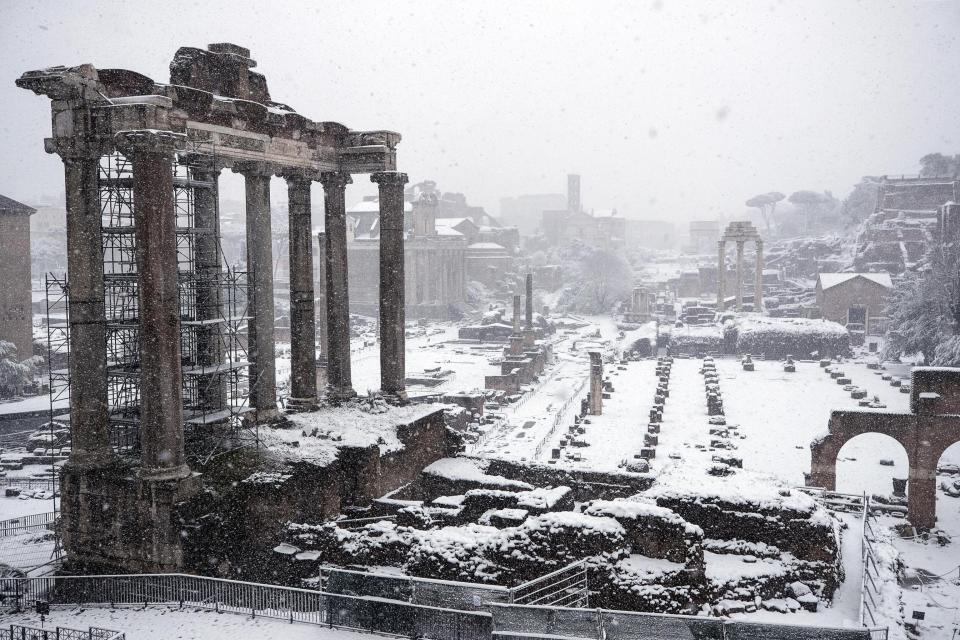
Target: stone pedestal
[113,520]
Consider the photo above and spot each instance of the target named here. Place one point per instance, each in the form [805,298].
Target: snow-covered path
[162,623]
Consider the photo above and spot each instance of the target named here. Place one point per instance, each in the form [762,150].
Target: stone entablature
[216,102]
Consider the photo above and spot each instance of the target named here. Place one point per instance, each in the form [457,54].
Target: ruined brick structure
[932,425]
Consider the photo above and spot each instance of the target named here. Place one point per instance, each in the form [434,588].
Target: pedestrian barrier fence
[19,632]
[380,615]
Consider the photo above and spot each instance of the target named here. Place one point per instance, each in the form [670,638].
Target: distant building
[16,315]
[704,235]
[525,212]
[442,252]
[601,228]
[855,298]
[650,234]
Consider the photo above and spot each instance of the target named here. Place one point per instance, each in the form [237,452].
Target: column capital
[251,168]
[300,177]
[389,178]
[202,163]
[78,148]
[149,141]
[333,179]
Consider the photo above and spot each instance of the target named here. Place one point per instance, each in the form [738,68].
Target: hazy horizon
[667,110]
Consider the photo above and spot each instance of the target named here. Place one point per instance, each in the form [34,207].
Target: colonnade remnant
[932,426]
[215,113]
[740,232]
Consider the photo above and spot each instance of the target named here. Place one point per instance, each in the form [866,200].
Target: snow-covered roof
[447,231]
[487,245]
[373,206]
[828,280]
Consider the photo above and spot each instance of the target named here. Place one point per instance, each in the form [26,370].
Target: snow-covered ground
[162,623]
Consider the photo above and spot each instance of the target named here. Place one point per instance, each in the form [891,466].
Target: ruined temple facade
[215,113]
[434,258]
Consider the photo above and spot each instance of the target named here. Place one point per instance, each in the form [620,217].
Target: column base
[165,474]
[263,416]
[81,460]
[398,398]
[337,396]
[299,405]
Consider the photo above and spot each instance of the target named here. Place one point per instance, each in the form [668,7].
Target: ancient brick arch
[925,433]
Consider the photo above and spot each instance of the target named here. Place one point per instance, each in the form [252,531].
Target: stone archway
[926,432]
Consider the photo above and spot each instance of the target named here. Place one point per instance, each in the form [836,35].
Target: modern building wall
[16,317]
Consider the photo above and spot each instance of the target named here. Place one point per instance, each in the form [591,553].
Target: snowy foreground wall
[237,507]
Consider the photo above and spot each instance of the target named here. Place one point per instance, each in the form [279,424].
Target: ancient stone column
[339,384]
[392,342]
[758,283]
[204,176]
[260,337]
[321,299]
[721,273]
[516,314]
[161,408]
[596,384]
[529,326]
[739,275]
[303,329]
[89,427]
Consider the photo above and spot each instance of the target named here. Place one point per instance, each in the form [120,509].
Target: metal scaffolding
[213,321]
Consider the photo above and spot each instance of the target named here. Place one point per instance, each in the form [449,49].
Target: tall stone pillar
[303,329]
[529,283]
[161,415]
[721,274]
[739,275]
[260,337]
[596,384]
[516,314]
[89,427]
[339,384]
[758,281]
[204,176]
[392,339]
[321,299]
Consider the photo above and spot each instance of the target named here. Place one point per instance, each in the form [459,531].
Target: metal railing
[47,484]
[27,524]
[566,587]
[20,632]
[604,624]
[380,615]
[869,590]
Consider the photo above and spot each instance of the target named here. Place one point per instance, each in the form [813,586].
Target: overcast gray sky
[668,109]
